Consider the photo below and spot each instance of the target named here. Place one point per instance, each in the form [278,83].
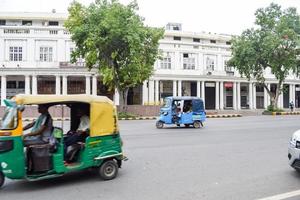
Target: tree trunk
[274,97]
[123,102]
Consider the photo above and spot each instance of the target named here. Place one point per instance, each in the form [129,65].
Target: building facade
[35,52]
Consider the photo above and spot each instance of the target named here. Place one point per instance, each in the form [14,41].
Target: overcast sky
[216,16]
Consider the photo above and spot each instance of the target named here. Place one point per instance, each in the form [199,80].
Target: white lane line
[283,196]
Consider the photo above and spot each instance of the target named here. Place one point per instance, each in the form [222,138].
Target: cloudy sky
[216,16]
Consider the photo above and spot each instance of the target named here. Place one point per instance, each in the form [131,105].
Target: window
[166,62]
[26,23]
[2,22]
[189,61]
[228,43]
[227,68]
[21,84]
[210,64]
[46,54]
[213,41]
[177,38]
[53,23]
[15,54]
[196,39]
[11,85]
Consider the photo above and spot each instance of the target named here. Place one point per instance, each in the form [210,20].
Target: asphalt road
[230,158]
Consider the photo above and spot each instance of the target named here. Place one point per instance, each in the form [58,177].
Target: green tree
[113,38]
[273,45]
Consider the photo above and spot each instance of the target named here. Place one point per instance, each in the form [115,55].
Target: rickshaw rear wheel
[2,179]
[197,124]
[159,124]
[108,170]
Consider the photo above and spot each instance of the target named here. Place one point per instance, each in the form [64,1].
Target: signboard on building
[228,84]
[209,84]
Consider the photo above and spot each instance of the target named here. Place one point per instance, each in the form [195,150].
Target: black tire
[159,124]
[197,124]
[186,125]
[108,170]
[2,179]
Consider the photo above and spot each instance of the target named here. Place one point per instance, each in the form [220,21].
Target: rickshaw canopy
[103,117]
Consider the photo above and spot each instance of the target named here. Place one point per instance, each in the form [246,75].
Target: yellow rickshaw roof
[45,99]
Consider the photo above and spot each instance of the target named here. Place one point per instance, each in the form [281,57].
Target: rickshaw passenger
[82,131]
[41,128]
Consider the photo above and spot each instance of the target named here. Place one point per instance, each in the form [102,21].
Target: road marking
[283,196]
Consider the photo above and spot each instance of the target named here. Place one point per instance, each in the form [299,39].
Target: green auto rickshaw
[101,150]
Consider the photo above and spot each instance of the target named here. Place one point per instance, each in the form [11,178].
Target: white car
[294,151]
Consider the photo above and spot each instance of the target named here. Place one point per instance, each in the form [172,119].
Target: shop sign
[228,85]
[209,84]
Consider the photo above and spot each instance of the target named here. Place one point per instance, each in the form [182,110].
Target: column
[234,96]
[145,93]
[27,84]
[238,94]
[198,89]
[65,85]
[57,85]
[281,100]
[291,95]
[116,98]
[156,92]
[34,84]
[203,90]
[221,95]
[94,85]
[217,96]
[3,89]
[179,88]
[174,88]
[254,95]
[88,84]
[250,95]
[151,91]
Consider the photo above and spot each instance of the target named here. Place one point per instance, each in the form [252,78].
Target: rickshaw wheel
[108,170]
[159,124]
[197,124]
[2,178]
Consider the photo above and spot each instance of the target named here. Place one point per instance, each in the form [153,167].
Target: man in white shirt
[82,131]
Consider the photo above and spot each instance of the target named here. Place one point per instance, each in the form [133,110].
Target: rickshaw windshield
[167,103]
[9,119]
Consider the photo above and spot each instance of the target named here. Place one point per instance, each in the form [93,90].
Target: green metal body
[95,151]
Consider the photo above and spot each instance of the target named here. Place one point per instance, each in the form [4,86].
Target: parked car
[294,151]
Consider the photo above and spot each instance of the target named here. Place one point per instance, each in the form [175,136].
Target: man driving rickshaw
[101,149]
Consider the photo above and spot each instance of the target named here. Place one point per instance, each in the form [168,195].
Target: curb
[207,116]
[154,118]
[286,113]
[224,115]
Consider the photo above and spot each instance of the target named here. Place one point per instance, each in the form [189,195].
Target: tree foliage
[272,46]
[113,38]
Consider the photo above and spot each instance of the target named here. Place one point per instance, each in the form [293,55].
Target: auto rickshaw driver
[41,128]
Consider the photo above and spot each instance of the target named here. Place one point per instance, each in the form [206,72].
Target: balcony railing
[12,30]
[71,65]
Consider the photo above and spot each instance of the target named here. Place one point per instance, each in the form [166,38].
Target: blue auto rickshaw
[182,110]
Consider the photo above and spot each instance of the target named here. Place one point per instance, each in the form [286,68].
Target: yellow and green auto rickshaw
[102,149]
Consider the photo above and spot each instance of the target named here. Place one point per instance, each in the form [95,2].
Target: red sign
[228,85]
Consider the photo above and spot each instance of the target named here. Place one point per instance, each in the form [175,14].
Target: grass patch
[126,115]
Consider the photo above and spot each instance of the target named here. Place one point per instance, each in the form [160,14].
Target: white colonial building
[35,52]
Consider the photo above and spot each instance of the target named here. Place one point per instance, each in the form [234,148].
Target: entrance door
[210,96]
